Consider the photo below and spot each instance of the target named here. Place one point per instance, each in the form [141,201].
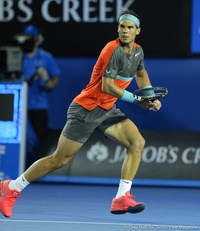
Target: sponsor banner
[171,155]
[83,27]
[167,155]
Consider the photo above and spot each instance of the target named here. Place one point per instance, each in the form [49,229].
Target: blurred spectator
[42,73]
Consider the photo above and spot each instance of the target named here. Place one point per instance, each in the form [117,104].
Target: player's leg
[10,190]
[128,135]
[74,135]
[63,154]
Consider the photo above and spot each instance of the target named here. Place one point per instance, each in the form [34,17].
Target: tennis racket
[150,94]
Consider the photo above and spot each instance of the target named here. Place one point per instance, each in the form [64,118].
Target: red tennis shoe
[126,204]
[8,198]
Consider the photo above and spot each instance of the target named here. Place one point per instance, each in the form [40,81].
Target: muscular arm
[109,87]
[142,78]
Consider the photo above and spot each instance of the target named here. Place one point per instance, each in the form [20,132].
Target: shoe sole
[118,211]
[136,209]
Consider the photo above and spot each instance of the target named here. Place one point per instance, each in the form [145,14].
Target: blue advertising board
[195,27]
[12,128]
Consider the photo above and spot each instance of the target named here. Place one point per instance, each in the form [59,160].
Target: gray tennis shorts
[81,122]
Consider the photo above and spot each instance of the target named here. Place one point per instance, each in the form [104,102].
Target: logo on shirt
[108,72]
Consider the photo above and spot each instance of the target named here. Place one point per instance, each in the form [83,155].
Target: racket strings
[150,94]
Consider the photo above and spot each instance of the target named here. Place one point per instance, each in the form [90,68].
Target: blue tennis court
[45,206]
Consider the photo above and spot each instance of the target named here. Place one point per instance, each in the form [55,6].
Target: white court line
[98,223]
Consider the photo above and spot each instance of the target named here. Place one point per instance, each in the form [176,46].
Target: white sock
[19,184]
[124,186]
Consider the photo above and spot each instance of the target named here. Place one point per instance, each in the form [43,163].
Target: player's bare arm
[109,87]
[142,79]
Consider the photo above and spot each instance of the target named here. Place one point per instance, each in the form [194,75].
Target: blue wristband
[150,92]
[128,97]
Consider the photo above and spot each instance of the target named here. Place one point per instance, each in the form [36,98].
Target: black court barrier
[167,155]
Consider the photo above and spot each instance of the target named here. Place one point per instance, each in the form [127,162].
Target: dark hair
[130,12]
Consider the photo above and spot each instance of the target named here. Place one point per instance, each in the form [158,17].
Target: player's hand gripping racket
[149,94]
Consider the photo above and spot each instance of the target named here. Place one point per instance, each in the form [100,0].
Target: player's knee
[59,161]
[138,145]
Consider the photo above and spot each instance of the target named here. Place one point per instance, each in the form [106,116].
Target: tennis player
[94,108]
